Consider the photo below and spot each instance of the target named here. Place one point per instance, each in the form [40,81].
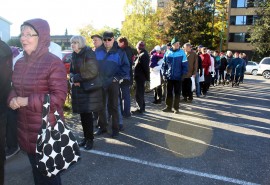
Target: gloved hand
[77,78]
[125,82]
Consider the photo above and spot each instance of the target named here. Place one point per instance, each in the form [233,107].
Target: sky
[64,14]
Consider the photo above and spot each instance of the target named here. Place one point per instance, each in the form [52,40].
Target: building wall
[4,29]
[162,3]
[241,29]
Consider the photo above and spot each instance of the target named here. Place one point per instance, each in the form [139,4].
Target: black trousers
[139,94]
[221,75]
[186,88]
[110,103]
[87,124]
[173,86]
[11,129]
[158,93]
[41,179]
[3,121]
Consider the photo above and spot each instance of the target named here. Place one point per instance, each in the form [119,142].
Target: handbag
[92,85]
[89,68]
[56,147]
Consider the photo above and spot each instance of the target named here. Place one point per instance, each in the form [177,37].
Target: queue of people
[172,69]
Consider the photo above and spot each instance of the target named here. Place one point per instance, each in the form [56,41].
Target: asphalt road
[220,139]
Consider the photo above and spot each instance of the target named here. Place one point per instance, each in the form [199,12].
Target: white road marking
[172,168]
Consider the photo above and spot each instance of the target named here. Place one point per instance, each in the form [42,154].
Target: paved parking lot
[220,139]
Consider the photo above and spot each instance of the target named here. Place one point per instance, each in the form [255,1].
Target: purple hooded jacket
[34,76]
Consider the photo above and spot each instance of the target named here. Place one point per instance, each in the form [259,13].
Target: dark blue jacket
[237,66]
[112,65]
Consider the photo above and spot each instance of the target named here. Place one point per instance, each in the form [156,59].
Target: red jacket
[35,75]
[206,62]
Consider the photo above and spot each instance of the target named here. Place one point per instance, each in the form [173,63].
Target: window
[250,3]
[266,61]
[243,3]
[251,63]
[238,37]
[242,20]
[161,4]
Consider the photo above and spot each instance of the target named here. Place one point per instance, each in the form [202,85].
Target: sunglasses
[107,40]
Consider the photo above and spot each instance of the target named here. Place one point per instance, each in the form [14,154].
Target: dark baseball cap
[108,34]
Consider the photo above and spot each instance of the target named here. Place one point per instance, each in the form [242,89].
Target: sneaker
[12,151]
[82,142]
[100,131]
[137,111]
[176,111]
[167,109]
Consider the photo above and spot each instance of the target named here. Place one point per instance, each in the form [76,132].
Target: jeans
[41,179]
[197,84]
[120,112]
[125,99]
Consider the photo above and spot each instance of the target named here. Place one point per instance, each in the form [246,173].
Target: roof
[5,20]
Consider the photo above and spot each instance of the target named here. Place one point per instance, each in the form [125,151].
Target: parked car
[252,68]
[67,58]
[264,68]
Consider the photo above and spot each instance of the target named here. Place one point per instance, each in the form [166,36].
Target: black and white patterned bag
[56,147]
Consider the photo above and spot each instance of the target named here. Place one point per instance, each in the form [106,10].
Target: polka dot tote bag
[56,147]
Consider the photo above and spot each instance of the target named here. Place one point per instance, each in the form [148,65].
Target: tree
[86,32]
[191,21]
[220,25]
[15,42]
[89,30]
[140,23]
[259,32]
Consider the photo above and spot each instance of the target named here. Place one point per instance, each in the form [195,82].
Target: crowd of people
[173,69]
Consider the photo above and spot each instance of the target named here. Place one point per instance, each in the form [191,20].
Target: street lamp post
[213,21]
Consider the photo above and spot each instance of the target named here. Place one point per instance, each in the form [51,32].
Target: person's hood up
[43,30]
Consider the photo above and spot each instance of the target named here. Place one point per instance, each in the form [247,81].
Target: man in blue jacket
[113,67]
[174,67]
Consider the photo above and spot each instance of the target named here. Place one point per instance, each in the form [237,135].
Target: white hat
[157,48]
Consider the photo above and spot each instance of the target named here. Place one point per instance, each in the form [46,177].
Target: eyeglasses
[28,36]
[74,42]
[107,40]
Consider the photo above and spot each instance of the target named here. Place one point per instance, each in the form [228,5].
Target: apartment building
[241,14]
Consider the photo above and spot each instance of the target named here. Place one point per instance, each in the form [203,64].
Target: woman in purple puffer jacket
[36,74]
